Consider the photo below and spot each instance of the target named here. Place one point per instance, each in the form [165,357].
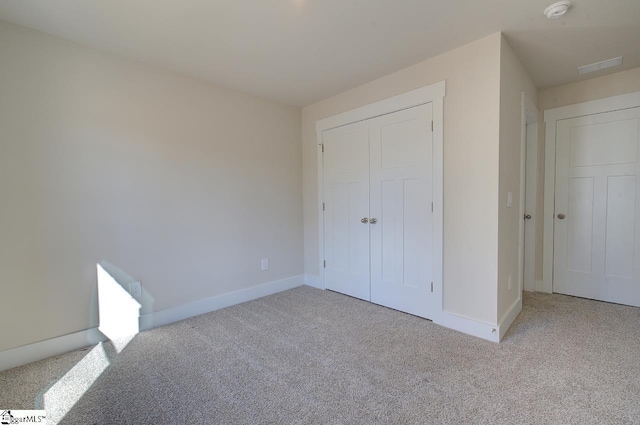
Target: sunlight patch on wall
[119,312]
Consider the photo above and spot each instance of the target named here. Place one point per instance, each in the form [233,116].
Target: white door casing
[401,194]
[346,174]
[530,207]
[597,216]
[528,193]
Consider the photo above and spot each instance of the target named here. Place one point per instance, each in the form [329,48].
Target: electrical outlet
[265,264]
[135,289]
[510,283]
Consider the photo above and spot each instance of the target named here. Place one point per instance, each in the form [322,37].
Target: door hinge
[431,125]
[431,286]
[323,206]
[324,264]
[322,148]
[432,207]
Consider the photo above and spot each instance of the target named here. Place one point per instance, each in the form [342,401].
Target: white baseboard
[509,317]
[313,280]
[468,326]
[52,347]
[19,356]
[164,317]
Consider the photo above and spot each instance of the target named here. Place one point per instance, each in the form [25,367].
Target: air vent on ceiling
[600,65]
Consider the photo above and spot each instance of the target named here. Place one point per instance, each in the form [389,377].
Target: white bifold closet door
[378,211]
[400,201]
[346,192]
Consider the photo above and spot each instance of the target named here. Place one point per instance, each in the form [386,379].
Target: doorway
[592,236]
[378,218]
[380,174]
[528,191]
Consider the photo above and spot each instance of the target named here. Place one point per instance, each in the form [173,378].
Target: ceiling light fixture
[556,10]
[600,65]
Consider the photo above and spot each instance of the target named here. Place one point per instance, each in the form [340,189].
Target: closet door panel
[400,205]
[346,194]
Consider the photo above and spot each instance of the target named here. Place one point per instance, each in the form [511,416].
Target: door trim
[433,94]
[528,184]
[551,117]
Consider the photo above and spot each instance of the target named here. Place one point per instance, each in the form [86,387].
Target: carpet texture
[307,356]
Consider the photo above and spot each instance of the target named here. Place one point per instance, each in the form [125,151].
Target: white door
[401,215]
[597,216]
[346,196]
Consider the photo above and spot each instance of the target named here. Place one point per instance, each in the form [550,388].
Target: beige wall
[471,113]
[513,81]
[182,184]
[596,88]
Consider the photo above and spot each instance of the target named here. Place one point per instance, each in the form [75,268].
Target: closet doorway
[381,222]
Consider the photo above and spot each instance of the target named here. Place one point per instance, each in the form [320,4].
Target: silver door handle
[561,216]
[373,221]
[364,220]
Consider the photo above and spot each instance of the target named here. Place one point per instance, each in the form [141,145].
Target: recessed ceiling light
[557,10]
[600,65]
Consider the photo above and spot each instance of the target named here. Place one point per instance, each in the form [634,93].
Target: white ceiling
[301,51]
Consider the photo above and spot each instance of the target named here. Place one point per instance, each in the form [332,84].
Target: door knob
[364,220]
[561,216]
[527,216]
[373,221]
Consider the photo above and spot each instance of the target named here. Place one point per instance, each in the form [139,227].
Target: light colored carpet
[315,357]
